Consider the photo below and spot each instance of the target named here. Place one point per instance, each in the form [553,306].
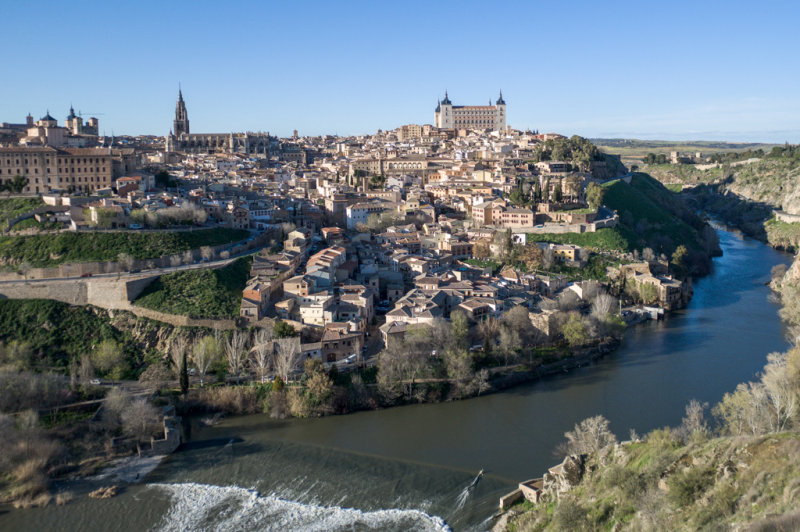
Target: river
[408,468]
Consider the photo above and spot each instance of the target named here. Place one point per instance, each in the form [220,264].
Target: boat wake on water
[464,495]
[207,507]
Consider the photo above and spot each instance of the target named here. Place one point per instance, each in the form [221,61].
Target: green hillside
[199,293]
[58,333]
[661,483]
[53,249]
[653,216]
[650,216]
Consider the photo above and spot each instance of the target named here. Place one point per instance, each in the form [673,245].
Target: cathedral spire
[181,122]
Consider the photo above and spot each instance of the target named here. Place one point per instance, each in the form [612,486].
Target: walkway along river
[410,467]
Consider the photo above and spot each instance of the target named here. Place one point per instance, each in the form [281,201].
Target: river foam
[208,507]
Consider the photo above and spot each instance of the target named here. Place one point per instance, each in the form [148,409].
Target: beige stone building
[48,168]
[449,116]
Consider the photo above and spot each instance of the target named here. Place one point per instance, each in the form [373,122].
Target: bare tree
[510,343]
[399,365]
[261,354]
[518,319]
[156,375]
[287,356]
[235,353]
[547,258]
[488,330]
[568,300]
[207,252]
[205,353]
[174,260]
[603,305]
[177,350]
[126,261]
[781,390]
[188,257]
[85,370]
[116,402]
[24,269]
[693,424]
[588,436]
[139,420]
[178,353]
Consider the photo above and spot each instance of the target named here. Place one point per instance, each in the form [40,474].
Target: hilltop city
[147,282]
[368,234]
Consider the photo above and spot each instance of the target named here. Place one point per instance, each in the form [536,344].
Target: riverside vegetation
[737,470]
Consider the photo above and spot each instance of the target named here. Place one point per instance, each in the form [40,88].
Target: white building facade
[449,116]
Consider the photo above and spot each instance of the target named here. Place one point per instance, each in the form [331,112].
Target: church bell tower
[181,123]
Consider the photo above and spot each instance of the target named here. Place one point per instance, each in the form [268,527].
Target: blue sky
[678,70]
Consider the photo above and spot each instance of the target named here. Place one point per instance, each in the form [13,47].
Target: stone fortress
[449,116]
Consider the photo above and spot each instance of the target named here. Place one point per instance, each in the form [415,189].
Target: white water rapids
[207,507]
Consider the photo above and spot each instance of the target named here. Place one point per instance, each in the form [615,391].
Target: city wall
[77,269]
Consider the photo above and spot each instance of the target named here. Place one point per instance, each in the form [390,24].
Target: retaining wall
[786,217]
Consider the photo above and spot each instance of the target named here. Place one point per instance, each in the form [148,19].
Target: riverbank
[736,467]
[421,458]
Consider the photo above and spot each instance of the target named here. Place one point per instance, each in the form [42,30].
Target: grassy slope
[58,332]
[649,215]
[654,212]
[199,293]
[13,207]
[731,480]
[53,249]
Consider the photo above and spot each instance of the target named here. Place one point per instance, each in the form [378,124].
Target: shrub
[687,485]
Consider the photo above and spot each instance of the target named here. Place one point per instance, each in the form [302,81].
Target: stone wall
[70,292]
[184,321]
[107,293]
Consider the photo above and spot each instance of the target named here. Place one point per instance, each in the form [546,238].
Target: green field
[640,148]
[199,293]
[481,263]
[608,239]
[54,249]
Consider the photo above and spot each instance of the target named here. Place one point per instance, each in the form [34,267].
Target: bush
[232,400]
[569,515]
[686,486]
[24,390]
